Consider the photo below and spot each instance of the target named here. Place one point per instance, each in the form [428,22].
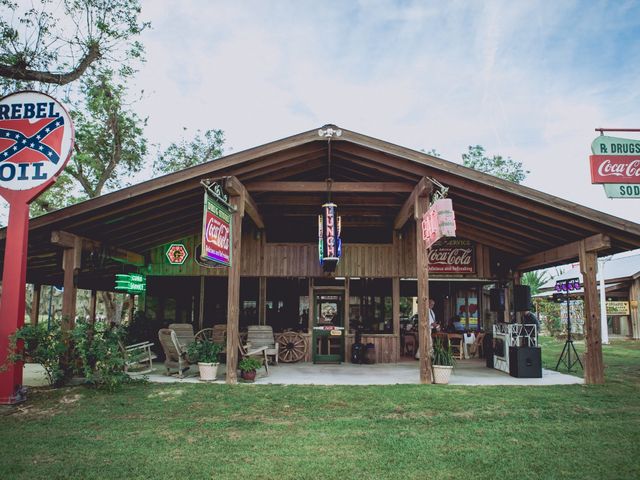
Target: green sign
[131,283]
[621,190]
[614,146]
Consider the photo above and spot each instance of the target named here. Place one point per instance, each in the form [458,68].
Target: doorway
[328,327]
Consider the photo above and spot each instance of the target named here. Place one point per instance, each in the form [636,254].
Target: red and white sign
[615,168]
[452,255]
[36,138]
[439,221]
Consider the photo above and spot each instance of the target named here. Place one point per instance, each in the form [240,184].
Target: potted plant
[248,367]
[206,354]
[442,362]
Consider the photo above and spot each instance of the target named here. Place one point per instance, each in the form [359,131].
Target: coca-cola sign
[216,232]
[452,255]
[615,168]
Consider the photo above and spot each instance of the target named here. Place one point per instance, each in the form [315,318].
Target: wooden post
[347,284]
[262,301]
[93,303]
[201,304]
[634,301]
[593,363]
[132,306]
[233,295]
[312,307]
[422,265]
[395,300]
[35,303]
[71,259]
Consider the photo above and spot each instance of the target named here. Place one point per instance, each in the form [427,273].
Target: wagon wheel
[293,347]
[205,334]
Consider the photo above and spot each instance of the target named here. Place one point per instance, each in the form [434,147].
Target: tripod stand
[565,356]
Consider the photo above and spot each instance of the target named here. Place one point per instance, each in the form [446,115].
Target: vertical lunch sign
[36,141]
[216,226]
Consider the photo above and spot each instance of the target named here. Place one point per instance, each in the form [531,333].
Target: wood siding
[260,258]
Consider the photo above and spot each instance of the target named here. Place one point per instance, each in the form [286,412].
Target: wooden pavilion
[277,189]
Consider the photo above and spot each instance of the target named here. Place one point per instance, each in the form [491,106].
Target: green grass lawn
[193,431]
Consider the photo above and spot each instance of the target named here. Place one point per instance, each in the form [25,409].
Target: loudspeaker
[521,298]
[497,299]
[525,362]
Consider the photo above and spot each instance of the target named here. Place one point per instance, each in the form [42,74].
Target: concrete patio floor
[466,372]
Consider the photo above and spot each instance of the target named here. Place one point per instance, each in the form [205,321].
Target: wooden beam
[201,303]
[593,363]
[71,263]
[35,303]
[565,253]
[68,240]
[350,187]
[236,188]
[233,293]
[395,299]
[422,265]
[93,302]
[423,188]
[262,300]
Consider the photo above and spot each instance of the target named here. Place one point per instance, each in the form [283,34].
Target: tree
[55,43]
[182,154]
[109,145]
[498,166]
[535,280]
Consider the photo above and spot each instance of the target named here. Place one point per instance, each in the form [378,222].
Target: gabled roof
[616,269]
[514,219]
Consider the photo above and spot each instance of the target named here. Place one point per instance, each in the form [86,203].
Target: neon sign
[329,242]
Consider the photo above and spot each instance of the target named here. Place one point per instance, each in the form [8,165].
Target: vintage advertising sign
[36,142]
[329,242]
[617,308]
[177,254]
[36,138]
[133,283]
[452,255]
[439,221]
[616,163]
[216,232]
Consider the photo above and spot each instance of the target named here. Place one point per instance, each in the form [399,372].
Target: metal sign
[616,164]
[439,221]
[329,242]
[177,253]
[452,255]
[131,283]
[216,230]
[617,308]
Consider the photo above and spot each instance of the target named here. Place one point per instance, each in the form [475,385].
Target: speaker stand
[565,356]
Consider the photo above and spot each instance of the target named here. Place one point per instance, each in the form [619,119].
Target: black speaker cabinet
[487,349]
[497,299]
[521,298]
[525,362]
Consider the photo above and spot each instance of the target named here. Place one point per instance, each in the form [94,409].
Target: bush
[43,346]
[100,351]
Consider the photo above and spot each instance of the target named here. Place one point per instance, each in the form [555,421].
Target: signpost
[36,141]
[615,163]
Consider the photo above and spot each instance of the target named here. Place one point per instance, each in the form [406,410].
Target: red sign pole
[36,140]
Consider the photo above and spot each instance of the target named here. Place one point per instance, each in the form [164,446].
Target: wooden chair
[456,342]
[477,345]
[138,355]
[184,332]
[409,344]
[175,353]
[262,336]
[259,352]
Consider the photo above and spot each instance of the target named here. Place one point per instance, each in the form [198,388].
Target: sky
[528,80]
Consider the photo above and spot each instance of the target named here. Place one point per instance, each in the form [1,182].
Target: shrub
[204,351]
[41,345]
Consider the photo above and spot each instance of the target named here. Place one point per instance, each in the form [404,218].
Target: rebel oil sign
[35,140]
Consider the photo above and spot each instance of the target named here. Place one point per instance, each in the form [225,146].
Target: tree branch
[20,72]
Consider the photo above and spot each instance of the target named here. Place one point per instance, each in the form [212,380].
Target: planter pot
[441,374]
[249,376]
[208,371]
